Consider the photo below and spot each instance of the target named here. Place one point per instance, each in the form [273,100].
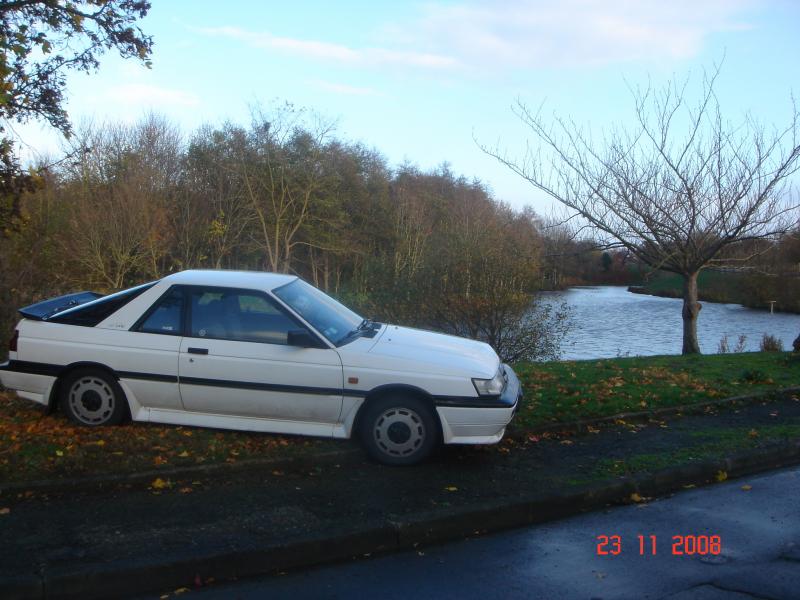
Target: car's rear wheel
[92,397]
[399,430]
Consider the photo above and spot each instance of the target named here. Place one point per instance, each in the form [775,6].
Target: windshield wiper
[366,327]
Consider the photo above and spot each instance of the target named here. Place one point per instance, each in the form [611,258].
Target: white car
[258,352]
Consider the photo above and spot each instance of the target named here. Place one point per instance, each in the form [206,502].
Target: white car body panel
[264,365]
[258,386]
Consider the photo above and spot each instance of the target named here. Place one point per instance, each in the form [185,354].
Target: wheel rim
[91,400]
[399,432]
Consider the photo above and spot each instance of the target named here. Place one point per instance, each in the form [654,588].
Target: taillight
[12,344]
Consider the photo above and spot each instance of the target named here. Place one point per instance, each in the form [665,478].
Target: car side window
[166,317]
[238,315]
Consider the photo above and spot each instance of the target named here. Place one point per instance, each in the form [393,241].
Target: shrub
[769,343]
[724,348]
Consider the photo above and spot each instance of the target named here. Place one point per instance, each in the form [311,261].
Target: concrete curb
[394,534]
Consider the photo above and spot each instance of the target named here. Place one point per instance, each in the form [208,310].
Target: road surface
[757,521]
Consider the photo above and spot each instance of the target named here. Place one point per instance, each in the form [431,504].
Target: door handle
[197,350]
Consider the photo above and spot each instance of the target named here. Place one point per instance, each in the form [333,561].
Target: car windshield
[332,319]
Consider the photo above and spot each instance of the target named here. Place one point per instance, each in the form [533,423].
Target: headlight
[490,387]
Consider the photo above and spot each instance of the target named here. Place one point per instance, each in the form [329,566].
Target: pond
[610,321]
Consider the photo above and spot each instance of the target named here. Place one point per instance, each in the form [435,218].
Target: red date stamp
[681,545]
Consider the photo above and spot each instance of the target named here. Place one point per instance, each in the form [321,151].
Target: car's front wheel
[398,430]
[92,397]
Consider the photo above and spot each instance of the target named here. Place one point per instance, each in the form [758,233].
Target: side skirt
[194,419]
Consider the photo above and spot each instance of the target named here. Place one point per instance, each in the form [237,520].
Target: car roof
[257,280]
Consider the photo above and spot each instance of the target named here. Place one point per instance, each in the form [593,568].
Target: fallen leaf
[277,473]
[636,497]
[184,454]
[181,590]
[451,488]
[566,442]
[747,487]
[721,476]
[186,490]
[59,453]
[5,511]
[753,433]
[159,484]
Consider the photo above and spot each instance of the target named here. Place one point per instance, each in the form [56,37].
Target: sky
[424,81]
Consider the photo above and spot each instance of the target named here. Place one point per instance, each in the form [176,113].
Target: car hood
[437,351]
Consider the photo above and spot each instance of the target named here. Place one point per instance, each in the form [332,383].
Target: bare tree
[283,176]
[675,187]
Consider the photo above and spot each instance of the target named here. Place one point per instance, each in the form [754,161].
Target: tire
[92,398]
[399,430]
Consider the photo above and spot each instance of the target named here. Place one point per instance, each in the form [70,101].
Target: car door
[146,357]
[235,360]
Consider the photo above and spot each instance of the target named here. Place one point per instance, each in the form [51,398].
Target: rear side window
[166,316]
[94,312]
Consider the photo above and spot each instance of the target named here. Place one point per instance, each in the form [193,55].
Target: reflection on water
[610,321]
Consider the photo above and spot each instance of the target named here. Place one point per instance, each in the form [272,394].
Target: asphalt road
[758,529]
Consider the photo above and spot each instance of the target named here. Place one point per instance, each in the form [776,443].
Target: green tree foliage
[40,42]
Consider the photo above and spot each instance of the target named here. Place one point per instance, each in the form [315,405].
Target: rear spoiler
[41,311]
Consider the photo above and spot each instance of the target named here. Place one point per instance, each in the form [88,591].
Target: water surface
[610,321]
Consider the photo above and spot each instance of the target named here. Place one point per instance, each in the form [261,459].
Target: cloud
[542,33]
[327,51]
[349,90]
[522,34]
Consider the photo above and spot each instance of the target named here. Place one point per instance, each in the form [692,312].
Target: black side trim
[270,387]
[470,402]
[34,368]
[147,376]
[508,399]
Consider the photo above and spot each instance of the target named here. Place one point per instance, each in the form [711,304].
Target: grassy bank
[570,390]
[37,446]
[753,290]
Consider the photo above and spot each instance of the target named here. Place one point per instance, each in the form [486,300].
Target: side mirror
[301,338]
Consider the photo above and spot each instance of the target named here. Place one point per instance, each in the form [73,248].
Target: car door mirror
[301,338]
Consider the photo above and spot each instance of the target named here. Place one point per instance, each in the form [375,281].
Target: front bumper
[480,420]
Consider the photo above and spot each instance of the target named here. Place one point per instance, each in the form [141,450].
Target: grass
[750,289]
[559,392]
[37,446]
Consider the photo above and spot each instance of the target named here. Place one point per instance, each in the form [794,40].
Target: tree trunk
[691,308]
